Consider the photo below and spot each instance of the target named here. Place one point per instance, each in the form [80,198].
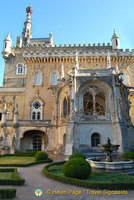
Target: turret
[27,31]
[7,47]
[115,41]
[51,38]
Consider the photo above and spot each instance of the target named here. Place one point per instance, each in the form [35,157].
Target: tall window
[0,116]
[54,79]
[66,107]
[19,69]
[37,143]
[36,111]
[94,103]
[116,42]
[95,139]
[88,103]
[37,79]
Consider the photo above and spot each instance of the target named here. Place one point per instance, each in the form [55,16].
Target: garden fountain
[109,165]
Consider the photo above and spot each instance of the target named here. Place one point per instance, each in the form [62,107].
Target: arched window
[36,111]
[100,103]
[88,103]
[37,78]
[37,143]
[19,69]
[0,116]
[54,79]
[65,107]
[95,139]
[116,42]
[94,103]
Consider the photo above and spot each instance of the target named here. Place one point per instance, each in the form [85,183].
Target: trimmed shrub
[16,180]
[7,193]
[77,155]
[77,168]
[41,156]
[129,155]
[31,151]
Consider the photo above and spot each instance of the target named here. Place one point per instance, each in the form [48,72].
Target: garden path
[35,179]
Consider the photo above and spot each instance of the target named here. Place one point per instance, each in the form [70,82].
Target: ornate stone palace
[65,98]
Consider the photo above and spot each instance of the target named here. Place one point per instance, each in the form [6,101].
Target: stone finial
[27,31]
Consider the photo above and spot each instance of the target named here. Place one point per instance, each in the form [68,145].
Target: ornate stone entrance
[34,139]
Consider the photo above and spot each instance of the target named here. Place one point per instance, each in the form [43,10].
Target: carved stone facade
[66,98]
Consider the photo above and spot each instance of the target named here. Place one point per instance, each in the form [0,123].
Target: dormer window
[19,69]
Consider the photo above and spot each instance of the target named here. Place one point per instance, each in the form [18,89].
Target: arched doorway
[34,139]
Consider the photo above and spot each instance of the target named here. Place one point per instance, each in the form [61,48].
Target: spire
[108,60]
[62,70]
[8,38]
[27,31]
[7,47]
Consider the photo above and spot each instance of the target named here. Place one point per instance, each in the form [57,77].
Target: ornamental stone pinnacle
[27,31]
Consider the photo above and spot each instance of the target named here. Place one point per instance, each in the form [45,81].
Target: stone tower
[115,41]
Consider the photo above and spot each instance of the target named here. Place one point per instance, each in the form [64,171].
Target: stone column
[69,139]
[16,115]
[94,107]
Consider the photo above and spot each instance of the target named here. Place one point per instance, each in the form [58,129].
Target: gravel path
[34,178]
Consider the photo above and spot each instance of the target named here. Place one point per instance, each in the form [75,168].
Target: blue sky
[71,21]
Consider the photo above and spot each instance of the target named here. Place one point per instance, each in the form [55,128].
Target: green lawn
[6,175]
[97,177]
[16,160]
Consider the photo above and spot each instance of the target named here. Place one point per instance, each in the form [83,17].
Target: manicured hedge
[77,155]
[128,155]
[16,179]
[41,156]
[109,186]
[48,160]
[7,193]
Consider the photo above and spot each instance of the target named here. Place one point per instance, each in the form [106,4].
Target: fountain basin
[113,167]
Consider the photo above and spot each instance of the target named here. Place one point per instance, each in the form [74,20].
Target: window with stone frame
[95,140]
[37,78]
[36,111]
[54,79]
[66,107]
[19,69]
[94,102]
[0,116]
